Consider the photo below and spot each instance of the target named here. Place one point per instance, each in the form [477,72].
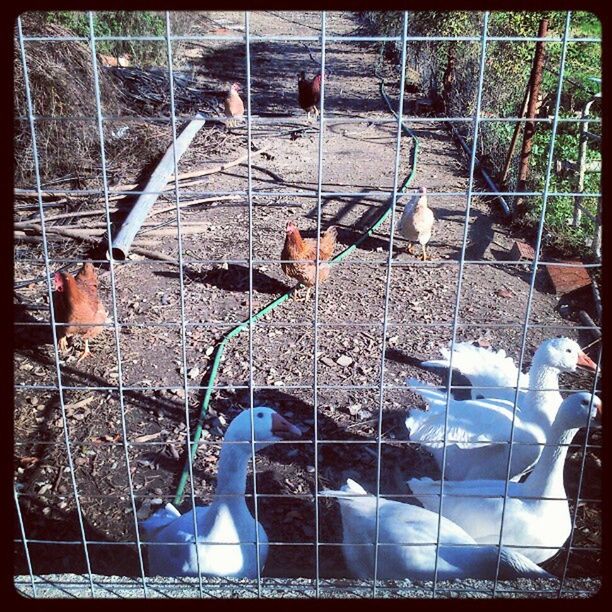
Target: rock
[46,487]
[327,361]
[344,361]
[194,372]
[354,409]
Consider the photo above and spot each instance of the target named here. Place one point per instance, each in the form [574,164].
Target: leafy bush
[119,23]
[449,73]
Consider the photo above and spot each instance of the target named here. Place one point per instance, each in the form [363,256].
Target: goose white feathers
[529,520]
[405,531]
[494,375]
[477,434]
[226,537]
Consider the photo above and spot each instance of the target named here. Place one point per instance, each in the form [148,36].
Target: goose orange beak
[283,428]
[585,362]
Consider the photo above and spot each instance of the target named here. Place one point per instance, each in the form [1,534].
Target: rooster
[77,304]
[234,107]
[298,249]
[309,93]
[417,221]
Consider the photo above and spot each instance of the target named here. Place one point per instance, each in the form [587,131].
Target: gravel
[111,587]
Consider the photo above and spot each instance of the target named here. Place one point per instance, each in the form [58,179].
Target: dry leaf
[147,437]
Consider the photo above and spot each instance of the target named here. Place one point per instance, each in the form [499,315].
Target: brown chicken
[309,93]
[298,249]
[76,303]
[234,107]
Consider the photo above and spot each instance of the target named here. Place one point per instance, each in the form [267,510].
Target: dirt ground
[358,157]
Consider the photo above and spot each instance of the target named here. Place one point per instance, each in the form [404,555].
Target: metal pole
[172,156]
[582,151]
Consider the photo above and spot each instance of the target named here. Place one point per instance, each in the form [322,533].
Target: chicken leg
[296,293]
[86,352]
[424,256]
[62,344]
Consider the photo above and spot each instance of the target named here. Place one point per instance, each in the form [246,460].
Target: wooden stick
[131,186]
[154,255]
[100,211]
[82,235]
[72,232]
[225,166]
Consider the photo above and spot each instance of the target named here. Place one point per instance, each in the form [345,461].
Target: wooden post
[536,83]
[517,129]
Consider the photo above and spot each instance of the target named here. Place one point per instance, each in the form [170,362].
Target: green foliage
[119,23]
[508,67]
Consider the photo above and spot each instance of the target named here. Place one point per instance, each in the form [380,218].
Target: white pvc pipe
[123,241]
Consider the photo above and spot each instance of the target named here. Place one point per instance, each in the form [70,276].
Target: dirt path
[357,157]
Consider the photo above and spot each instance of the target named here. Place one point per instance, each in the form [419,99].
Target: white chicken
[417,221]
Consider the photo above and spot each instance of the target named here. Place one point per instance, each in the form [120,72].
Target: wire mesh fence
[194,322]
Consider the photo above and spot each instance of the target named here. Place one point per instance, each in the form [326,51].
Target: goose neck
[232,470]
[543,396]
[546,480]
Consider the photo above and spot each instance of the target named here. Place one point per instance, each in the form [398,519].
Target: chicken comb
[58,281]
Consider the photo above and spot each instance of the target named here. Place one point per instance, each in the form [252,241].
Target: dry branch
[100,211]
[54,193]
[154,255]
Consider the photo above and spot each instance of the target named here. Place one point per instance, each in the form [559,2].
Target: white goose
[529,520]
[487,368]
[226,529]
[405,531]
[479,429]
[477,435]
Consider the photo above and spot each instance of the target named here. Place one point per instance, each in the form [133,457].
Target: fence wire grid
[196,331]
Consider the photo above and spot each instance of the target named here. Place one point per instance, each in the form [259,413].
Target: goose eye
[568,350]
[260,415]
